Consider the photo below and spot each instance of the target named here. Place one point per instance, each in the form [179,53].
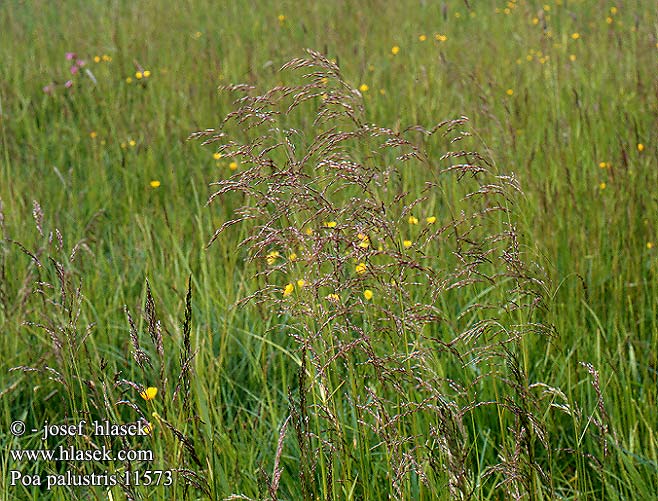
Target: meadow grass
[560,93]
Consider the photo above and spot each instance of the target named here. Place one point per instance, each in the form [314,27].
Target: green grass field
[374,358]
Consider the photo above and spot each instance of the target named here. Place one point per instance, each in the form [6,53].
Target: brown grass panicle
[68,379]
[398,273]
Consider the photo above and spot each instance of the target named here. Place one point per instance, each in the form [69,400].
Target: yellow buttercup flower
[364,88]
[217,156]
[139,75]
[365,241]
[149,393]
[147,74]
[422,38]
[301,283]
[367,294]
[640,147]
[292,257]
[361,268]
[233,165]
[413,220]
[330,224]
[407,244]
[272,256]
[288,289]
[395,50]
[333,298]
[155,183]
[430,219]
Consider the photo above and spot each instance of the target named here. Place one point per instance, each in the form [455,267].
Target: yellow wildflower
[649,245]
[640,147]
[602,186]
[407,244]
[333,297]
[330,224]
[149,393]
[129,80]
[217,156]
[281,18]
[155,183]
[97,59]
[93,134]
[394,50]
[572,57]
[575,36]
[367,294]
[272,256]
[138,75]
[361,268]
[301,283]
[413,220]
[430,219]
[147,74]
[292,257]
[440,37]
[364,88]
[288,289]
[308,231]
[233,165]
[422,38]
[509,92]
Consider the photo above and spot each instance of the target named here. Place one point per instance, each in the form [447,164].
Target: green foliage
[564,113]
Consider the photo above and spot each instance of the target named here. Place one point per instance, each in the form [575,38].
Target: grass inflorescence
[417,320]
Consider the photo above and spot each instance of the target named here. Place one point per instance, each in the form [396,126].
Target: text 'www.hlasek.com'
[120,464]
